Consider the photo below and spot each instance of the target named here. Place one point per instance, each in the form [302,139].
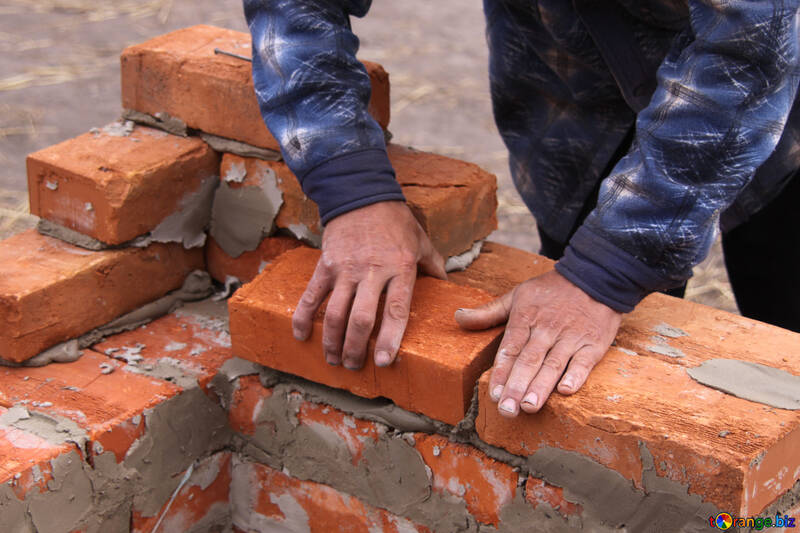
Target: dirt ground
[59,77]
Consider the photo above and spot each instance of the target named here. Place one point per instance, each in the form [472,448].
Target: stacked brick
[209,416]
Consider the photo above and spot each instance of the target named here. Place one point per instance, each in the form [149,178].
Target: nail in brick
[436,361]
[51,291]
[179,74]
[115,187]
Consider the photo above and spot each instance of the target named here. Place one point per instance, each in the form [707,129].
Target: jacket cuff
[350,181]
[607,273]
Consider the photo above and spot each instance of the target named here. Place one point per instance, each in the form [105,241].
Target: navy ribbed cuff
[607,273]
[350,181]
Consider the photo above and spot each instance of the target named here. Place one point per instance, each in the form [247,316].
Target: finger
[333,327]
[524,370]
[317,289]
[431,262]
[395,317]
[548,375]
[360,323]
[515,337]
[579,368]
[486,316]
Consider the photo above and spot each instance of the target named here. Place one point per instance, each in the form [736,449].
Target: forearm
[313,94]
[719,109]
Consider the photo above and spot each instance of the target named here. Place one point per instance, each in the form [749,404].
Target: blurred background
[59,77]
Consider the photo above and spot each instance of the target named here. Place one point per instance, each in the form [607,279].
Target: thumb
[431,261]
[486,316]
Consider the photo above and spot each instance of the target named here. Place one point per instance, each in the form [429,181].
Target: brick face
[462,471]
[51,291]
[436,359]
[267,500]
[179,74]
[117,187]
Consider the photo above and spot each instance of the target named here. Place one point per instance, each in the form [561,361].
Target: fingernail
[383,358]
[351,365]
[496,392]
[331,359]
[507,405]
[298,334]
[531,399]
[569,383]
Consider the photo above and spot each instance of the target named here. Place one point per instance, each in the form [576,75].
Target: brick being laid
[122,181]
[641,415]
[179,74]
[52,291]
[436,359]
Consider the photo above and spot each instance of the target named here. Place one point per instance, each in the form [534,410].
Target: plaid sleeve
[722,100]
[313,96]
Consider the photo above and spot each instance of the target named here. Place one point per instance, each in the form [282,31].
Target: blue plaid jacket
[705,88]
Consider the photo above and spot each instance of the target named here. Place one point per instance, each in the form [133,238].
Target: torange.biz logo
[726,521]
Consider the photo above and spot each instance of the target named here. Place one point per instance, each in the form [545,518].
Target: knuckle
[362,320]
[553,363]
[397,310]
[334,319]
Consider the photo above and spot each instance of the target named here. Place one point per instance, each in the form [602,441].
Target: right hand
[365,251]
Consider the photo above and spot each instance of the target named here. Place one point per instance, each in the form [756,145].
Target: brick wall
[138,395]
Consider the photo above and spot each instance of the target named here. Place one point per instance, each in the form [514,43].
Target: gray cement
[224,145]
[63,233]
[50,427]
[750,381]
[241,217]
[304,233]
[161,121]
[465,259]
[188,224]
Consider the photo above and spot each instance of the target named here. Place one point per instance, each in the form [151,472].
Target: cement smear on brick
[224,145]
[465,259]
[50,427]
[750,381]
[304,233]
[241,217]
[612,501]
[179,431]
[188,224]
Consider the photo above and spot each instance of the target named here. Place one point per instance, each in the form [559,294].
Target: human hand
[365,251]
[552,325]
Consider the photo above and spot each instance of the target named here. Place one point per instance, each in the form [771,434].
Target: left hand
[552,326]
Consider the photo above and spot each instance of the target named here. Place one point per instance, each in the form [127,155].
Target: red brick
[51,291]
[681,426]
[246,267]
[185,341]
[484,484]
[500,268]
[179,74]
[115,188]
[354,432]
[616,409]
[274,496]
[454,201]
[436,359]
[81,392]
[205,495]
[538,491]
[246,404]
